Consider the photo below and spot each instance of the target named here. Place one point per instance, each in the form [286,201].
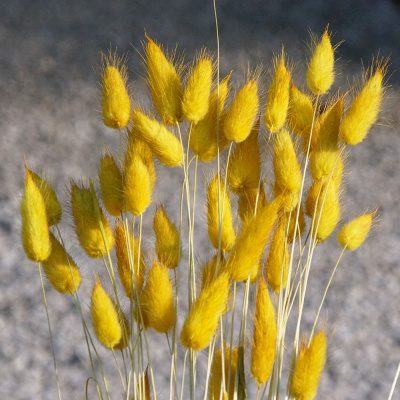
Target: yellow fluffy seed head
[264,336]
[250,244]
[244,163]
[60,269]
[288,176]
[202,322]
[215,384]
[104,317]
[308,368]
[320,72]
[35,229]
[157,300]
[242,113]
[138,185]
[127,248]
[250,200]
[222,216]
[167,239]
[87,217]
[364,110]
[301,111]
[116,102]
[197,91]
[203,137]
[163,143]
[278,98]
[111,185]
[326,199]
[164,84]
[53,206]
[353,234]
[278,260]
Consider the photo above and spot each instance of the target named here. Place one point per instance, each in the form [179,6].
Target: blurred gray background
[50,113]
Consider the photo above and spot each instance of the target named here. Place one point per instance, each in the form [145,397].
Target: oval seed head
[87,217]
[115,98]
[104,317]
[60,269]
[278,97]
[163,143]
[287,172]
[320,72]
[278,260]
[157,300]
[250,244]
[35,229]
[244,163]
[353,234]
[138,186]
[250,201]
[111,185]
[301,111]
[202,322]
[164,84]
[127,251]
[308,368]
[197,92]
[364,110]
[167,239]
[219,217]
[325,197]
[264,336]
[242,113]
[53,206]
[203,136]
[215,384]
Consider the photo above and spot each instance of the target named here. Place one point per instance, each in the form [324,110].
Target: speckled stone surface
[49,113]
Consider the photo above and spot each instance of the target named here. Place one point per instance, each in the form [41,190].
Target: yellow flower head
[288,176]
[60,269]
[309,366]
[111,185]
[221,216]
[278,259]
[250,244]
[197,91]
[167,239]
[320,73]
[278,97]
[53,206]
[164,83]
[35,229]
[105,317]
[245,164]
[301,111]
[264,336]
[115,100]
[242,113]
[157,300]
[364,109]
[353,234]
[163,143]
[87,218]
[202,321]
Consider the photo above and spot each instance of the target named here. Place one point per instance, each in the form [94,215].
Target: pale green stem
[50,332]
